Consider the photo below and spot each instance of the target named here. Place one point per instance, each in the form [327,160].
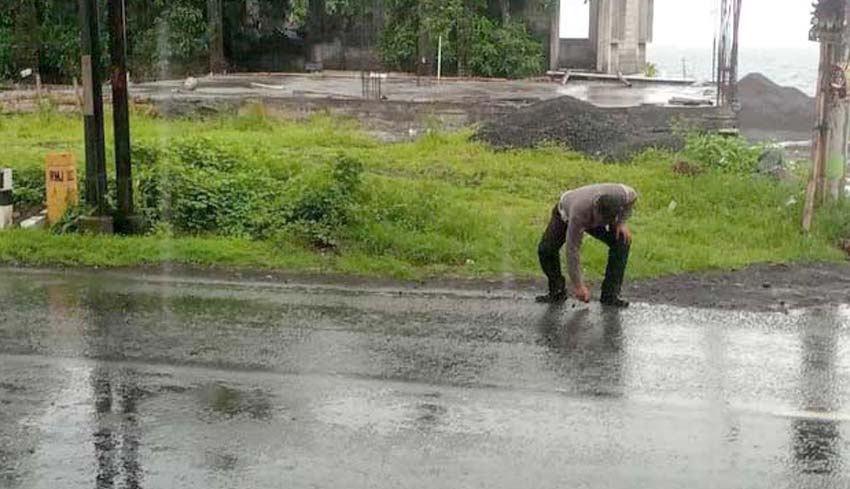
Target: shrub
[728,154]
[318,206]
[504,51]
[834,220]
[29,187]
[398,44]
[7,65]
[199,185]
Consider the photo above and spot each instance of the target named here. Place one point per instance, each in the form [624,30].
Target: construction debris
[268,87]
[35,222]
[690,101]
[190,84]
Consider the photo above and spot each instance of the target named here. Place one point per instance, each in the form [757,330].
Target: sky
[691,23]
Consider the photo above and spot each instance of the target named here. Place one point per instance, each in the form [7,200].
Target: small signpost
[5,198]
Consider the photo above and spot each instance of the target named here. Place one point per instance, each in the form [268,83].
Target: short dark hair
[608,207]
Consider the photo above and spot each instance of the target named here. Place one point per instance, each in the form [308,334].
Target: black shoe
[614,302]
[556,298]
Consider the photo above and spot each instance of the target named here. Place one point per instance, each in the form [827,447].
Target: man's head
[608,206]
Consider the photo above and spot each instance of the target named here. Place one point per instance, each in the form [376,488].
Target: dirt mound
[611,134]
[766,106]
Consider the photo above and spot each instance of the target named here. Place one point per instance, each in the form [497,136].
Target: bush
[727,154]
[318,207]
[199,186]
[29,187]
[834,220]
[504,51]
[178,38]
[7,65]
[398,44]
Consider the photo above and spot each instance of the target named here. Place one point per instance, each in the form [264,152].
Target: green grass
[441,206]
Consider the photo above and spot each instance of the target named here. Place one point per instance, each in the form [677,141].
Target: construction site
[606,70]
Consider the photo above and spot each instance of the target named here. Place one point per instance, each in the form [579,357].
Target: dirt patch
[756,288]
[774,109]
[685,168]
[612,134]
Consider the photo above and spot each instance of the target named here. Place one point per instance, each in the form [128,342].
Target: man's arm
[575,234]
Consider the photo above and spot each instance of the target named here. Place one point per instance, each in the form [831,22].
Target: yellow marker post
[61,181]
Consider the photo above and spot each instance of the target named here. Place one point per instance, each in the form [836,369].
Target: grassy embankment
[441,206]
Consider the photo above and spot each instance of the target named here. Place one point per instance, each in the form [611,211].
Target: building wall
[337,55]
[577,54]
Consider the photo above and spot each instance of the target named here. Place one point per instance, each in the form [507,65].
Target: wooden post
[120,108]
[813,188]
[835,164]
[833,109]
[78,100]
[38,88]
[93,107]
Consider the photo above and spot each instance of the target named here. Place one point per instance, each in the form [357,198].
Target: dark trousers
[553,240]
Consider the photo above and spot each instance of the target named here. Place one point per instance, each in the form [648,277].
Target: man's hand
[621,231]
[581,293]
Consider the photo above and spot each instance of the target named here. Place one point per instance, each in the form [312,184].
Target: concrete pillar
[604,36]
[593,31]
[555,36]
[628,47]
[620,30]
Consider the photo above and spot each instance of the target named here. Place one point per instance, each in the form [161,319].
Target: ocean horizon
[790,66]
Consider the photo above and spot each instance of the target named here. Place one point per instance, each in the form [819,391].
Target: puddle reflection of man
[601,211]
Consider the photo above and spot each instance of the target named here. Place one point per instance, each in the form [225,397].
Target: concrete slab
[404,88]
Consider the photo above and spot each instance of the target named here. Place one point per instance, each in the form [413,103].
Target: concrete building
[618,34]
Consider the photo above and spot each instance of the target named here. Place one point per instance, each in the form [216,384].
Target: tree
[218,63]
[26,35]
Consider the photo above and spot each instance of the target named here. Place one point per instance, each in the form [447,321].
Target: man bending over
[601,211]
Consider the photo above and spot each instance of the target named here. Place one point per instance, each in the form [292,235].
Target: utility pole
[121,111]
[95,182]
[829,167]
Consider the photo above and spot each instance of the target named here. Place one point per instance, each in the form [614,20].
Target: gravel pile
[611,134]
[766,106]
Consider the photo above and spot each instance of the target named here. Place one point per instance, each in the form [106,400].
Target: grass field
[440,206]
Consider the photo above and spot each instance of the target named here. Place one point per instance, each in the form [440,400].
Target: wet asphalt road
[108,380]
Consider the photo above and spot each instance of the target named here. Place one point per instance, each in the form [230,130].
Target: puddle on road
[227,402]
